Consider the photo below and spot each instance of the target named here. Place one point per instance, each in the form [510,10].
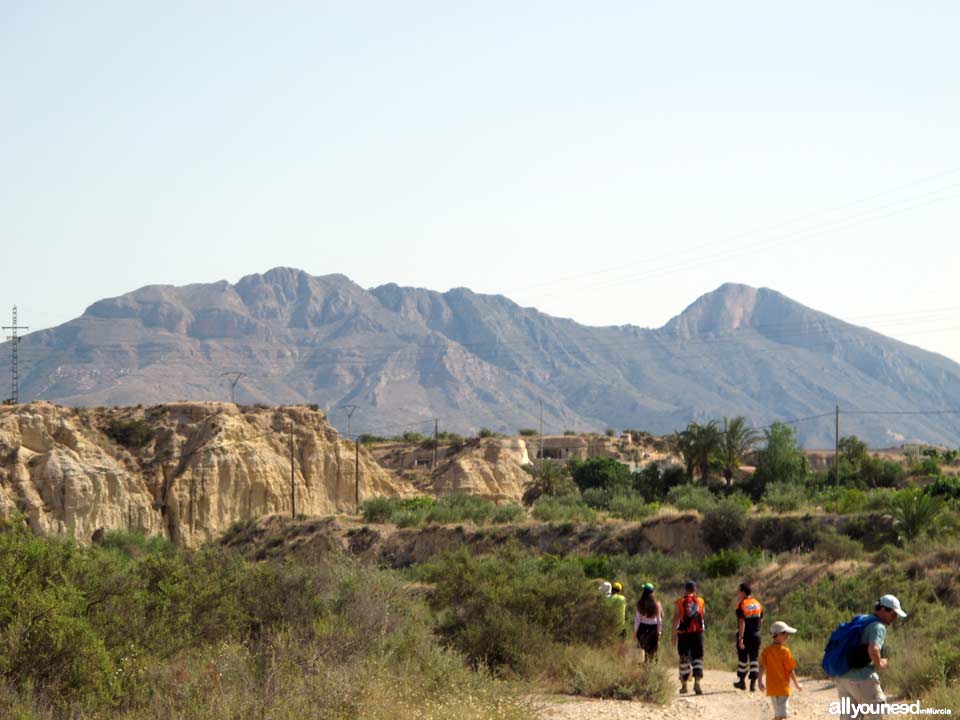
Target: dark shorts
[648,639]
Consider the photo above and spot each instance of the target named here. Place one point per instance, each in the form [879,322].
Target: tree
[547,478]
[853,450]
[602,472]
[736,440]
[780,461]
[698,445]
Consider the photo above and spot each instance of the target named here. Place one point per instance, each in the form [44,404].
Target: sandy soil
[720,701]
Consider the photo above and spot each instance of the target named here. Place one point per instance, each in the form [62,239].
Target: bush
[691,497]
[832,546]
[927,467]
[844,501]
[459,508]
[592,672]
[377,510]
[597,498]
[784,497]
[505,611]
[527,432]
[726,563]
[723,526]
[564,508]
[785,534]
[509,513]
[129,433]
[631,506]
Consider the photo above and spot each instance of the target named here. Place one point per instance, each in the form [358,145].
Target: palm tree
[547,478]
[697,445]
[736,440]
[707,440]
[683,443]
[914,513]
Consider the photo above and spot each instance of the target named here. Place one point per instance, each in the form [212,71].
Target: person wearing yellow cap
[618,599]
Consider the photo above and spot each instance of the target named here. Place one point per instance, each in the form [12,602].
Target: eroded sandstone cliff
[184,470]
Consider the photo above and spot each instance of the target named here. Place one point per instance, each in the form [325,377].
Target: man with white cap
[862,682]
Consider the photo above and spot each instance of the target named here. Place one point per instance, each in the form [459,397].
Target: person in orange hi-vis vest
[688,627]
[749,622]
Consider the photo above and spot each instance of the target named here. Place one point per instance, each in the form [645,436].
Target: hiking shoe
[753,686]
[683,688]
[740,684]
[696,687]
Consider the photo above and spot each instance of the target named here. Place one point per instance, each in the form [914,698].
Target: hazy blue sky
[607,162]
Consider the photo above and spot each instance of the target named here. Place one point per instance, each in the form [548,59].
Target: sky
[607,162]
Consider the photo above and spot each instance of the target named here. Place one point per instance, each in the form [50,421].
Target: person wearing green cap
[648,623]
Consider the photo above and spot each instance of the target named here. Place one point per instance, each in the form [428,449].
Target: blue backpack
[839,655]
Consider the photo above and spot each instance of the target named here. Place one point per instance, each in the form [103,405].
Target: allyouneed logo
[848,708]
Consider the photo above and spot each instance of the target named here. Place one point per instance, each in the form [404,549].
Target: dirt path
[720,701]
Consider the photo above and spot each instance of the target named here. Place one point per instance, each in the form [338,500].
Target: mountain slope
[406,355]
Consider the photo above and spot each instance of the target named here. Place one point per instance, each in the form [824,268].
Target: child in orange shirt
[780,668]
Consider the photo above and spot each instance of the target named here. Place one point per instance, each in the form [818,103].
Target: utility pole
[234,377]
[351,409]
[836,457]
[14,370]
[293,489]
[356,486]
[541,431]
[436,440]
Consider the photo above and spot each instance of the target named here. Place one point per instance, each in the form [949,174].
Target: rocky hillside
[187,471]
[407,355]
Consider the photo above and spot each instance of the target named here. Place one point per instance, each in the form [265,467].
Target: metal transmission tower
[234,377]
[14,372]
[351,409]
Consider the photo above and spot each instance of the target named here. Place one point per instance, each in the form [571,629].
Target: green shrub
[723,526]
[691,497]
[784,496]
[129,433]
[631,506]
[527,432]
[843,501]
[509,513]
[879,500]
[832,546]
[593,672]
[377,510]
[562,509]
[504,611]
[785,534]
[459,508]
[597,498]
[726,563]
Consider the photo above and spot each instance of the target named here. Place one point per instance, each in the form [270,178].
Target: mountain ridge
[405,355]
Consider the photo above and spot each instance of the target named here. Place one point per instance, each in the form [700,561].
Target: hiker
[749,620]
[688,626]
[852,656]
[648,623]
[618,599]
[779,667]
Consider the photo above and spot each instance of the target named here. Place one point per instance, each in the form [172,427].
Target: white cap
[606,588]
[781,627]
[891,602]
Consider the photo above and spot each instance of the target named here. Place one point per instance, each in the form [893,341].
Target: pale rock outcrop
[492,468]
[206,466]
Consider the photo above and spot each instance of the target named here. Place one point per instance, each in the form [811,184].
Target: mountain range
[404,356]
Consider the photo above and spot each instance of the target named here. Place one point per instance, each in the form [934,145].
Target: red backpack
[692,617]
